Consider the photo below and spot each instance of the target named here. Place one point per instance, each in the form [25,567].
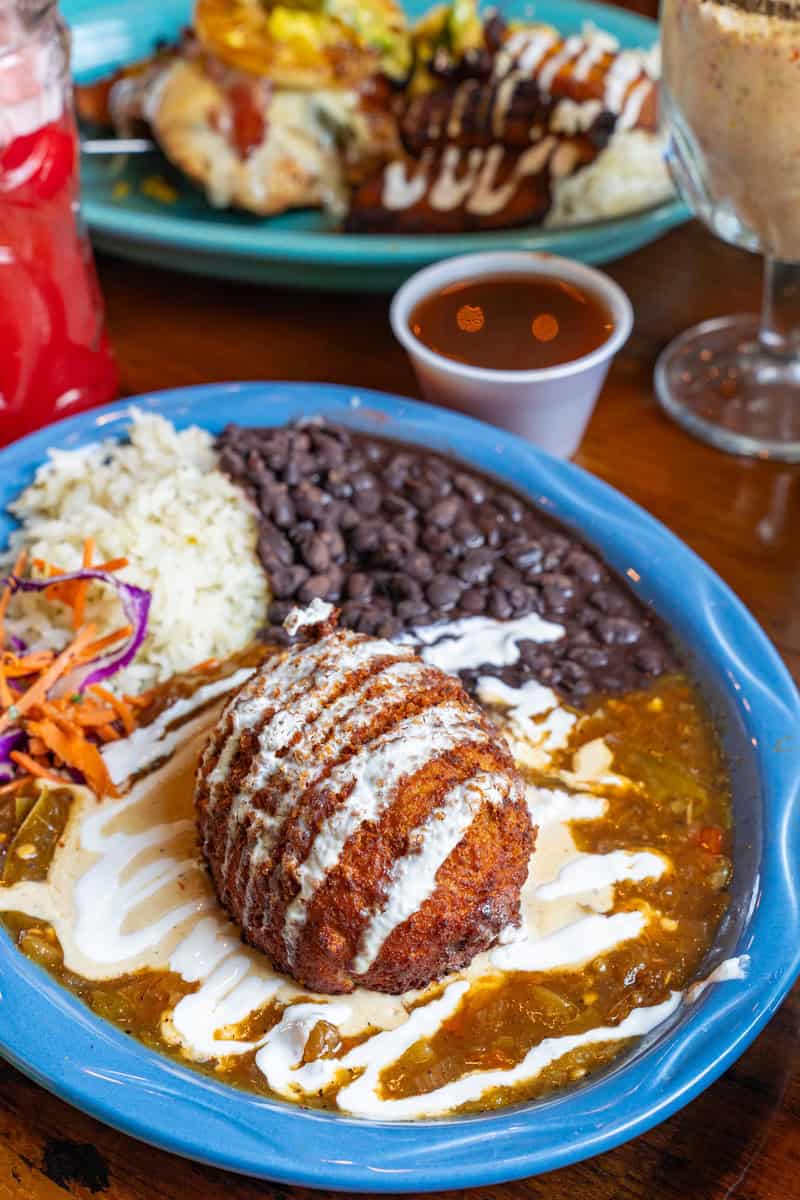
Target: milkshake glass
[730,102]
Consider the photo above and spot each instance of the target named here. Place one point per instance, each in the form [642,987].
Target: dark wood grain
[741,1138]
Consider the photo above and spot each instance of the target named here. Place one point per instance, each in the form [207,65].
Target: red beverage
[54,354]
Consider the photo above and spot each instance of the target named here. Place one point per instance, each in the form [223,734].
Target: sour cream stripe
[362,1098]
[289,738]
[305,766]
[370,780]
[413,878]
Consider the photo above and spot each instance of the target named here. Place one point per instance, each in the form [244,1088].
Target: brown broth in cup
[512,322]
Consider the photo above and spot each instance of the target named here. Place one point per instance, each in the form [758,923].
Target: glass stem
[780,312]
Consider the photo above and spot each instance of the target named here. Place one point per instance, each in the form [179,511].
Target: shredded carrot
[74,750]
[33,768]
[141,701]
[79,602]
[6,698]
[38,691]
[113,564]
[5,596]
[122,709]
[30,664]
[103,643]
[107,733]
[206,665]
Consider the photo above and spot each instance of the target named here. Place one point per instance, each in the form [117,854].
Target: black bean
[398,506]
[283,511]
[407,529]
[286,580]
[444,591]
[436,540]
[310,500]
[618,631]
[649,660]
[473,600]
[511,505]
[470,487]
[467,534]
[316,552]
[366,537]
[499,604]
[582,687]
[523,599]
[411,611]
[403,587]
[359,586]
[586,567]
[348,517]
[476,566]
[419,566]
[363,481]
[317,587]
[421,494]
[523,553]
[607,601]
[557,591]
[504,576]
[272,544]
[388,628]
[589,656]
[279,611]
[367,502]
[444,512]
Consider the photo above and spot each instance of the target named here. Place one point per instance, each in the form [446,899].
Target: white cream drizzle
[302,618]
[413,877]
[571,117]
[623,72]
[588,872]
[374,773]
[126,890]
[476,641]
[149,743]
[632,108]
[550,69]
[597,43]
[571,946]
[361,1097]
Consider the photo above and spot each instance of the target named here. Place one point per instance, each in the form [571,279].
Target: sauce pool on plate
[512,322]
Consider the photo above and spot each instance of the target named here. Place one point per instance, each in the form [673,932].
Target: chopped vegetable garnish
[54,715]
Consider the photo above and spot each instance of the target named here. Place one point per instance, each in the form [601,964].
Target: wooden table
[741,1138]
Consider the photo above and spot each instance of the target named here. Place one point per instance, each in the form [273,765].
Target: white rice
[189,534]
[629,175]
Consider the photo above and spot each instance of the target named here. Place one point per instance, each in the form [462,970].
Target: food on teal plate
[366,795]
[464,122]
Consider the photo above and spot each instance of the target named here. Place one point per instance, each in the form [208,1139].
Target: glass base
[716,381]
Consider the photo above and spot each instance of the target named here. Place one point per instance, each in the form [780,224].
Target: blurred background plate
[301,249]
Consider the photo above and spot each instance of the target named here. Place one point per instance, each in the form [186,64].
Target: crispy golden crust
[264,845]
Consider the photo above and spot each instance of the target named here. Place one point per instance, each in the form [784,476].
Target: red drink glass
[54,354]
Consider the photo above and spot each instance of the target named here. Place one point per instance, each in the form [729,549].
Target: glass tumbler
[54,355]
[730,102]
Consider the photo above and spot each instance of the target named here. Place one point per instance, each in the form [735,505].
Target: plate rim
[171,1107]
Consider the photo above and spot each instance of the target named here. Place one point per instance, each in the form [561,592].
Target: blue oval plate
[300,249]
[48,1034]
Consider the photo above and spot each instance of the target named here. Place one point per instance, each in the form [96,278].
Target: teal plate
[302,249]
